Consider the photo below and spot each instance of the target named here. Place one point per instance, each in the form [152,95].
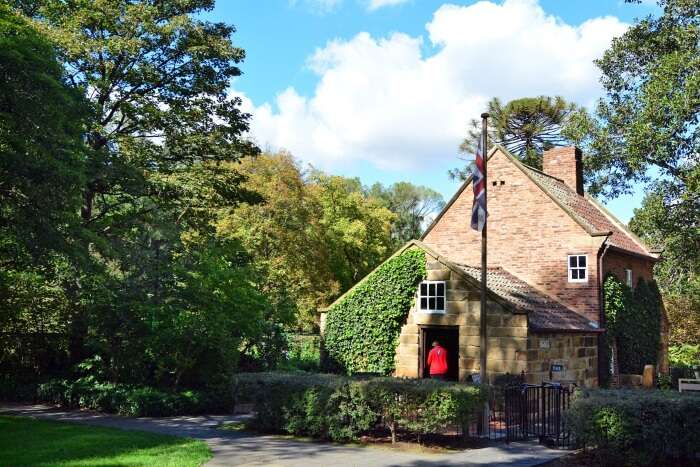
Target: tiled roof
[587,213]
[543,312]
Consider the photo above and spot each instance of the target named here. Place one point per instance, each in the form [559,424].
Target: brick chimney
[565,164]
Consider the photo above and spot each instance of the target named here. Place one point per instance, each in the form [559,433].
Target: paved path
[243,449]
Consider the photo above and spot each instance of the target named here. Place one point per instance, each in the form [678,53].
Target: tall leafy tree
[647,132]
[41,174]
[414,206]
[526,127]
[161,132]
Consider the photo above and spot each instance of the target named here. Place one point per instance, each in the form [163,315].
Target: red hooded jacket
[437,360]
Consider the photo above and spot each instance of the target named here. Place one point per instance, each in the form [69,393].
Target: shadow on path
[241,448]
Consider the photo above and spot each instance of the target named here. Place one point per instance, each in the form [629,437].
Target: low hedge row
[637,427]
[343,408]
[130,400]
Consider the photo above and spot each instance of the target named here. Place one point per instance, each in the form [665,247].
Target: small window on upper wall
[431,296]
[628,277]
[578,268]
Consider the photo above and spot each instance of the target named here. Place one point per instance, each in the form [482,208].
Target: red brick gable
[530,235]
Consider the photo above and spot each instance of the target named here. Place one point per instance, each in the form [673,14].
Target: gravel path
[242,449]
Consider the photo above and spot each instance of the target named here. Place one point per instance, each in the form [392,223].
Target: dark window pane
[582,274]
[423,303]
[424,289]
[431,290]
[431,304]
[440,303]
[441,290]
[582,261]
[574,273]
[572,261]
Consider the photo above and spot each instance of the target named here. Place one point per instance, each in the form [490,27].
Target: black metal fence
[522,412]
[537,411]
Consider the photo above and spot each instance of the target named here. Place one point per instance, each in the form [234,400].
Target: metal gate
[537,411]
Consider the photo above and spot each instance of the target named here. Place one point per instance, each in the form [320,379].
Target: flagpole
[482,313]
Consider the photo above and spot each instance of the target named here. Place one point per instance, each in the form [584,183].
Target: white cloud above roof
[403,102]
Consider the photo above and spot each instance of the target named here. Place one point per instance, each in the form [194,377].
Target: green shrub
[342,408]
[636,427]
[362,329]
[685,355]
[303,353]
[127,400]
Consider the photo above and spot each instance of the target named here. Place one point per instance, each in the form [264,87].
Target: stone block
[406,372]
[433,265]
[438,274]
[406,338]
[456,306]
[468,363]
[469,340]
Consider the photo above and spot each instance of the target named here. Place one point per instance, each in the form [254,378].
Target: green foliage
[413,205]
[340,408]
[526,127]
[362,329]
[646,132]
[133,401]
[685,355]
[635,427]
[303,353]
[56,444]
[633,322]
[666,223]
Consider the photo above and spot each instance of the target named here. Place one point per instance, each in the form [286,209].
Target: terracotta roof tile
[543,312]
[587,213]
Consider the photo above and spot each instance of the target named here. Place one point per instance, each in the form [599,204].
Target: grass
[29,442]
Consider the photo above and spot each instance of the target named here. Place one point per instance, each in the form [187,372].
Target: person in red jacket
[437,361]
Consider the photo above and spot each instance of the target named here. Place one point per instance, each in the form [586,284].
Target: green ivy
[633,320]
[362,329]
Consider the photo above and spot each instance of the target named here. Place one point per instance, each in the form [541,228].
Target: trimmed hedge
[340,408]
[130,400]
[636,427]
[362,329]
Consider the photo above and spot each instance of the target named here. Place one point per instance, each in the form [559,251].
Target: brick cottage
[550,246]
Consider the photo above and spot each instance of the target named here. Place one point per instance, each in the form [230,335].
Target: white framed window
[431,296]
[628,277]
[578,268]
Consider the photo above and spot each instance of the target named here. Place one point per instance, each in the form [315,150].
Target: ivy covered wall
[633,322]
[362,329]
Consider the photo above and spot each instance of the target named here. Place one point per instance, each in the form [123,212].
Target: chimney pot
[565,163]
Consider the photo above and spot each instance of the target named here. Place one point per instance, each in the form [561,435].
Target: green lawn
[25,442]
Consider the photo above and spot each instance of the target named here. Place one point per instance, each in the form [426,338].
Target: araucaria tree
[526,127]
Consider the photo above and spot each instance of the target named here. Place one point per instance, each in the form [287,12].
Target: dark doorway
[448,337]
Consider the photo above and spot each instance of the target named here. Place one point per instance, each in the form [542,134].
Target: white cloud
[376,4]
[383,101]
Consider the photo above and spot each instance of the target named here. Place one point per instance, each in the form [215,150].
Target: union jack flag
[479,206]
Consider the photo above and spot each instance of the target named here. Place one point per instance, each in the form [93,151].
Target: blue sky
[384,93]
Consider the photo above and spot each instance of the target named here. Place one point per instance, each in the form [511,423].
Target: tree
[41,171]
[526,127]
[647,132]
[357,227]
[160,298]
[41,168]
[286,239]
[413,206]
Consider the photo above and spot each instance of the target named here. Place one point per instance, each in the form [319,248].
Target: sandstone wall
[507,344]
[578,353]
